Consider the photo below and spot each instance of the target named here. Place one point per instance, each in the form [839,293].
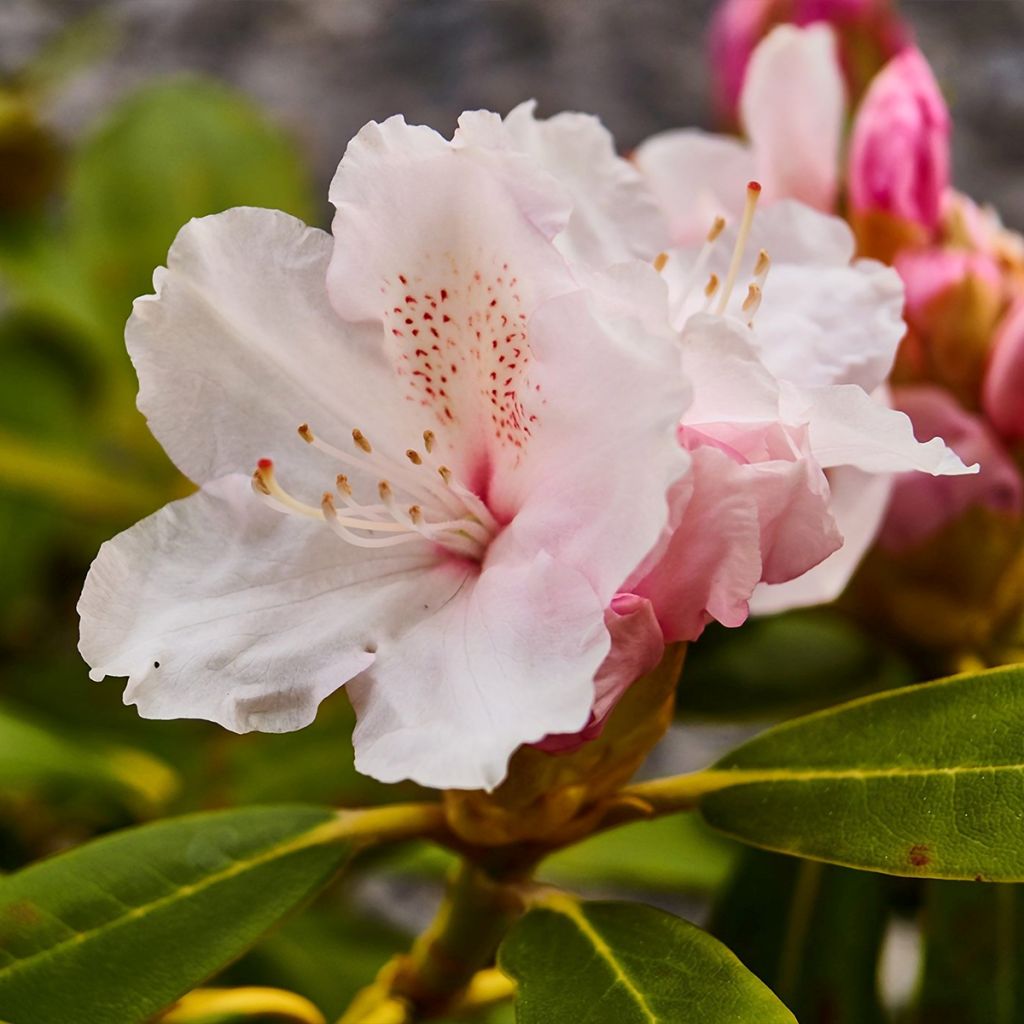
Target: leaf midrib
[569,908]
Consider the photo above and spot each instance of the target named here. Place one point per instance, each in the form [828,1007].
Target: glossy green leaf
[797,661]
[973,954]
[171,152]
[627,963]
[121,927]
[810,931]
[927,780]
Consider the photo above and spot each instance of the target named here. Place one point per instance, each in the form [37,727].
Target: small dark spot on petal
[370,648]
[156,664]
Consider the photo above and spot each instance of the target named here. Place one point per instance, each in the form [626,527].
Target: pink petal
[1003,390]
[921,505]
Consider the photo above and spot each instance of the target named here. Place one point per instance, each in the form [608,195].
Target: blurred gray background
[325,67]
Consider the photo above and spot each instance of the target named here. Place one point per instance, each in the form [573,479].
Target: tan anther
[660,260]
[762,264]
[384,490]
[416,514]
[305,433]
[413,456]
[360,439]
[753,300]
[712,286]
[428,440]
[327,504]
[446,474]
[716,228]
[341,482]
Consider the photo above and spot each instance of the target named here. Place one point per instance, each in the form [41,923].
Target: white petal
[510,658]
[850,428]
[859,501]
[822,320]
[695,177]
[614,215]
[452,252]
[592,484]
[239,346]
[792,107]
[220,608]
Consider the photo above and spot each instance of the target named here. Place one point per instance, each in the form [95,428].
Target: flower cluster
[483,451]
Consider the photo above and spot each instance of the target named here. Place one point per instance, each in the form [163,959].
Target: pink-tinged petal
[1003,390]
[711,559]
[792,108]
[240,345]
[217,607]
[614,215]
[928,273]
[899,150]
[637,647]
[695,178]
[922,505]
[848,427]
[510,658]
[450,255]
[590,487]
[858,503]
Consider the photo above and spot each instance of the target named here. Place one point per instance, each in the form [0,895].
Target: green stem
[462,939]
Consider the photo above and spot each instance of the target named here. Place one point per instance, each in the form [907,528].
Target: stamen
[752,302]
[660,260]
[699,265]
[340,527]
[416,514]
[384,490]
[446,474]
[305,433]
[428,440]
[753,192]
[712,286]
[341,481]
[265,484]
[761,267]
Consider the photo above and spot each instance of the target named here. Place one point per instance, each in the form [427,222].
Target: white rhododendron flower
[500,458]
[459,458]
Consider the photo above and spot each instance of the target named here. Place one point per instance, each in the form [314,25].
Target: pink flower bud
[868,32]
[1003,390]
[899,152]
[922,505]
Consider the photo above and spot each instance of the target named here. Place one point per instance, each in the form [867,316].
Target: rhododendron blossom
[453,474]
[792,441]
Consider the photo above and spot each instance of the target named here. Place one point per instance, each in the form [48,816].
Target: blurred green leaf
[812,932]
[627,963]
[797,661]
[973,954]
[678,852]
[124,925]
[173,151]
[36,758]
[926,780]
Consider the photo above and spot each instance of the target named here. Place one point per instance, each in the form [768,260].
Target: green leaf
[627,963]
[669,854]
[121,927]
[812,932]
[797,661]
[926,781]
[171,152]
[973,954]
